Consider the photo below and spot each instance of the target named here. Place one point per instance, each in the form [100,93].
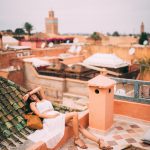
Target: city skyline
[84,16]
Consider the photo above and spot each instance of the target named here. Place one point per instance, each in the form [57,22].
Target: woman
[54,122]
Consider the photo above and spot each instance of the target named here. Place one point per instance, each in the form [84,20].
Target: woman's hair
[29,100]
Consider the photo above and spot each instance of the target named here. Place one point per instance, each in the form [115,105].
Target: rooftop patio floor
[124,132]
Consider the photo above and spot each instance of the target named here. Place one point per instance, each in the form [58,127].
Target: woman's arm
[38,89]
[34,90]
[43,115]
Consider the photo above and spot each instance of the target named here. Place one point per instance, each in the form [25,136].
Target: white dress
[53,128]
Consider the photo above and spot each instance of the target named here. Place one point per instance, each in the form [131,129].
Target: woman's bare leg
[75,124]
[74,117]
[93,138]
[88,135]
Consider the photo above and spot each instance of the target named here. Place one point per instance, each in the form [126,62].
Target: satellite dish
[6,46]
[131,51]
[43,45]
[76,40]
[145,42]
[51,44]
[67,42]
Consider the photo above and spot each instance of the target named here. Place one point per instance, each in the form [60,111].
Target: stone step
[75,101]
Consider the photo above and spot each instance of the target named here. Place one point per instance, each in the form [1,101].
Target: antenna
[131,51]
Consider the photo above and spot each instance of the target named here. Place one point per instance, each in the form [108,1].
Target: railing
[132,90]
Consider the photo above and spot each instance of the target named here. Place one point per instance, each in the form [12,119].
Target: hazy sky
[77,16]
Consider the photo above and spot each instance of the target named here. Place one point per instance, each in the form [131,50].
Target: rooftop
[124,133]
[105,60]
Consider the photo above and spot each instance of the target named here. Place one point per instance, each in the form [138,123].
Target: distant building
[51,23]
[142,27]
[1,42]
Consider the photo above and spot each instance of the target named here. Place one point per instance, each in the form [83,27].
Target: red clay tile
[130,131]
[117,137]
[138,130]
[112,143]
[126,135]
[119,128]
[131,140]
[134,126]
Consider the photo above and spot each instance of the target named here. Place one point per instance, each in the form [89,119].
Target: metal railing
[132,90]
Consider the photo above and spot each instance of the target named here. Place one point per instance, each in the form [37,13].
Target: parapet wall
[77,87]
[54,87]
[121,51]
[50,84]
[132,109]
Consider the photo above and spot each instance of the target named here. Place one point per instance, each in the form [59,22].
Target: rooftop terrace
[124,133]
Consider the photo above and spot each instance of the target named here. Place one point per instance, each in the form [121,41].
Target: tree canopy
[95,36]
[116,33]
[19,31]
[143,37]
[28,27]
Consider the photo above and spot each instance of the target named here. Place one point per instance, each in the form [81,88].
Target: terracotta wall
[52,86]
[31,44]
[49,52]
[77,87]
[132,109]
[5,59]
[123,40]
[122,52]
[17,77]
[72,60]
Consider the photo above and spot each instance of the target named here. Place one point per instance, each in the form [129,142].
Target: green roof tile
[12,123]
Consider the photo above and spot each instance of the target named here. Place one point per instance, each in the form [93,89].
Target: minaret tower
[142,27]
[51,23]
[1,41]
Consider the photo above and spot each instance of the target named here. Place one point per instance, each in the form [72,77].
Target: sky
[78,16]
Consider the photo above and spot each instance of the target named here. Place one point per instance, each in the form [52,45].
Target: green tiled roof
[13,130]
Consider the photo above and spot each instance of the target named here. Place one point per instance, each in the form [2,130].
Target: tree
[143,37]
[19,31]
[95,36]
[9,31]
[28,27]
[116,33]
